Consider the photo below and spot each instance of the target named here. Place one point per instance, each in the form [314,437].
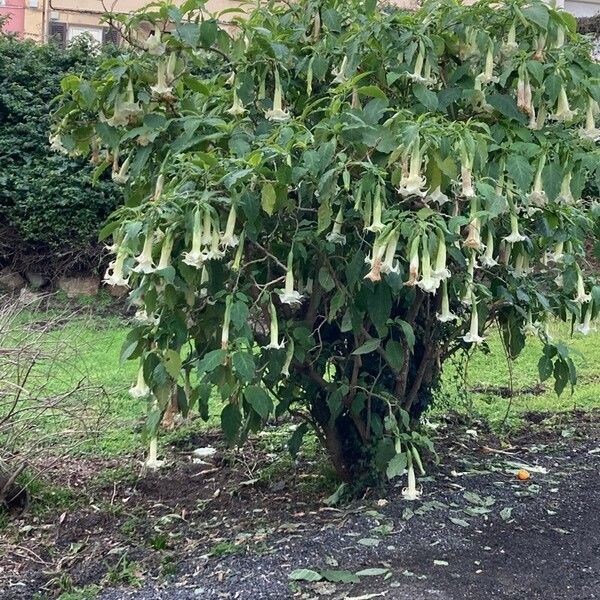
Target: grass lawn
[94,344]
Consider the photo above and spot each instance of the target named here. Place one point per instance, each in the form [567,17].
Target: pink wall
[15,9]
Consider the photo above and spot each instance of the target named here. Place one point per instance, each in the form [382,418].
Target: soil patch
[217,529]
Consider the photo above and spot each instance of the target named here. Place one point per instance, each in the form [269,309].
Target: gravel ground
[547,547]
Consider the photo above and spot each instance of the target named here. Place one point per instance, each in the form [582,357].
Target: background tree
[50,211]
[350,199]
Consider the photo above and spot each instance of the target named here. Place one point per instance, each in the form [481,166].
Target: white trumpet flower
[413,265]
[428,282]
[565,195]
[114,275]
[514,236]
[590,131]
[488,74]
[558,254]
[121,176]
[161,89]
[144,261]
[510,46]
[154,45]
[411,492]
[390,264]
[585,327]
[440,270]
[140,389]
[229,239]
[289,295]
[563,112]
[226,322]
[196,257]
[339,73]
[152,461]
[277,113]
[582,297]
[538,196]
[376,261]
[335,236]
[237,108]
[376,223]
[473,336]
[487,259]
[414,183]
[446,315]
[274,343]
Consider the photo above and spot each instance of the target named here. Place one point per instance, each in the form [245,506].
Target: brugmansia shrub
[352,198]
[50,210]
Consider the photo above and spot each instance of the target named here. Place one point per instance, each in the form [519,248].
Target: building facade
[64,20]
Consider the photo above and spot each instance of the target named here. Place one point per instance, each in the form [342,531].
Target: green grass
[492,371]
[94,344]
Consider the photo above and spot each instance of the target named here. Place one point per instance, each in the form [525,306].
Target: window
[57,33]
[96,33]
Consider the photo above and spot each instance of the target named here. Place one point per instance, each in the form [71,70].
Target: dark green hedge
[50,209]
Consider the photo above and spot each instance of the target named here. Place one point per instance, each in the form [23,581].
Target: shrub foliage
[349,199]
[50,211]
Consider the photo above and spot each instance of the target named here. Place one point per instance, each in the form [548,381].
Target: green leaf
[373,572]
[243,364]
[131,344]
[506,513]
[538,13]
[258,400]
[239,314]
[172,362]
[396,466]
[409,334]
[208,33]
[425,96]
[296,438]
[210,361]
[268,198]
[231,420]
[325,279]
[305,575]
[368,347]
[340,577]
[373,91]
[545,367]
[460,522]
[506,106]
[520,171]
[324,216]
[395,354]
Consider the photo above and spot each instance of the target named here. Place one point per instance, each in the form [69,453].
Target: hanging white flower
[339,73]
[375,261]
[277,113]
[390,264]
[590,131]
[335,236]
[140,389]
[196,257]
[414,184]
[538,196]
[376,223]
[428,282]
[114,274]
[440,270]
[237,108]
[473,336]
[558,254]
[529,329]
[154,45]
[289,295]
[161,89]
[582,296]
[446,315]
[585,327]
[514,236]
[487,259]
[144,261]
[229,239]
[413,264]
[226,322]
[437,196]
[487,76]
[563,112]
[165,252]
[274,343]
[120,175]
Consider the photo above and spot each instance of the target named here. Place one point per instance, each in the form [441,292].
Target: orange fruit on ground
[523,475]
